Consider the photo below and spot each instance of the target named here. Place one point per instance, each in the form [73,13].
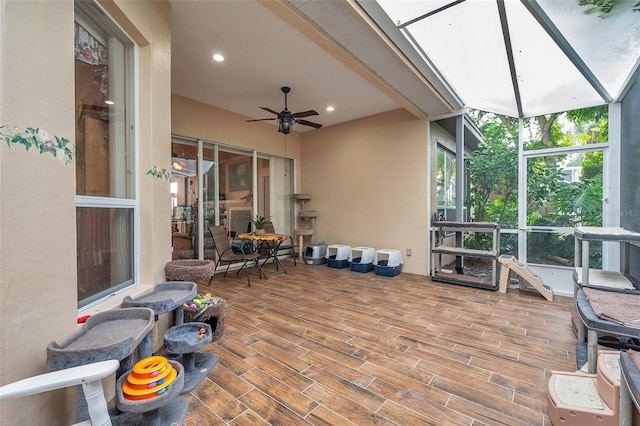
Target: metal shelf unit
[461,229]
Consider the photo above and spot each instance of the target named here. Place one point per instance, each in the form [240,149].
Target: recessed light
[109,102]
[330,108]
[218,57]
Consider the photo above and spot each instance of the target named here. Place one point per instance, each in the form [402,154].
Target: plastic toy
[149,378]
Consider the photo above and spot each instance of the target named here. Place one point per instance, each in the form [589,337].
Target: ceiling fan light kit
[285,125]
[286,118]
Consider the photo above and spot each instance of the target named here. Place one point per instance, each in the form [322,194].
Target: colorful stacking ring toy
[149,378]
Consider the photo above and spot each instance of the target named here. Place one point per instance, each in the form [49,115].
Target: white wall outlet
[409,252]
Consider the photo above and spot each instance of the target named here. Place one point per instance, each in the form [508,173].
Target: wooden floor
[326,346]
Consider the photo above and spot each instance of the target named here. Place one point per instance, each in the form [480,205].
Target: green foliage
[34,137]
[162,174]
[544,179]
[592,165]
[494,182]
[586,115]
[551,201]
[604,7]
[581,202]
[540,244]
[259,221]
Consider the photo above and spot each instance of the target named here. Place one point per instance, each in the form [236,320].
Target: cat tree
[306,222]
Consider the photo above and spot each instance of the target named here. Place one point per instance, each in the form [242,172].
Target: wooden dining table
[271,241]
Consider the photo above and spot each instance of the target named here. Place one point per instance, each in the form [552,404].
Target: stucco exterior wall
[368,182]
[37,231]
[38,288]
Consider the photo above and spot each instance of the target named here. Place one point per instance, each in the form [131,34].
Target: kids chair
[89,376]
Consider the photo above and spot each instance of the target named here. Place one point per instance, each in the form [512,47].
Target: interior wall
[629,170]
[38,286]
[368,183]
[201,121]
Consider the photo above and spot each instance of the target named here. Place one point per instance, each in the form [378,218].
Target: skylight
[560,58]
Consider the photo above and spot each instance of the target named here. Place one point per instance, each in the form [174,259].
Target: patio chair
[230,254]
[286,246]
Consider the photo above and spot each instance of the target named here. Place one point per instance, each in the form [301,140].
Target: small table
[276,239]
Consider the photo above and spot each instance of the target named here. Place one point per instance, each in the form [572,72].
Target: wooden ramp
[511,264]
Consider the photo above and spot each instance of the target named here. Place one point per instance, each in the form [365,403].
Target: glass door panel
[209,179]
[229,195]
[281,194]
[563,191]
[184,200]
[235,176]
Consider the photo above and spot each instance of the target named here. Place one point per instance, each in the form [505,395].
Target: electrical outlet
[409,252]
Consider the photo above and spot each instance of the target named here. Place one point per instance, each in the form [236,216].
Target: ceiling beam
[504,23]
[426,15]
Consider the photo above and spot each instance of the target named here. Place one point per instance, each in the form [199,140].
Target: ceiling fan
[286,118]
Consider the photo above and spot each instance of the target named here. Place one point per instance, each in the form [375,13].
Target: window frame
[444,208]
[92,14]
[524,228]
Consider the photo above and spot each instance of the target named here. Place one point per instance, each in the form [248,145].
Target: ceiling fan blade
[270,110]
[262,119]
[305,114]
[309,123]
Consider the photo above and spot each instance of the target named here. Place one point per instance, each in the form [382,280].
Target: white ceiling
[350,54]
[263,52]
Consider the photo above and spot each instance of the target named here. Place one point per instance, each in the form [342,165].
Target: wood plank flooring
[323,346]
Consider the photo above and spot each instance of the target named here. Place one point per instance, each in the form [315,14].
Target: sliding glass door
[218,185]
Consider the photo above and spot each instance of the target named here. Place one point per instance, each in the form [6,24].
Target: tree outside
[564,190]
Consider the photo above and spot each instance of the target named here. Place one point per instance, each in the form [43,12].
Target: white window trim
[84,201]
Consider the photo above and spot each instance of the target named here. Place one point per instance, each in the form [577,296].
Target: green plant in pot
[259,222]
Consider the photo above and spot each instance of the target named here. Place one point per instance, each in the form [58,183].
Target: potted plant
[259,222]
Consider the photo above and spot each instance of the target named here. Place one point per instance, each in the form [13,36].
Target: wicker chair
[285,246]
[229,254]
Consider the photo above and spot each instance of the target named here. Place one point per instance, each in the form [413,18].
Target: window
[446,183]
[105,158]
